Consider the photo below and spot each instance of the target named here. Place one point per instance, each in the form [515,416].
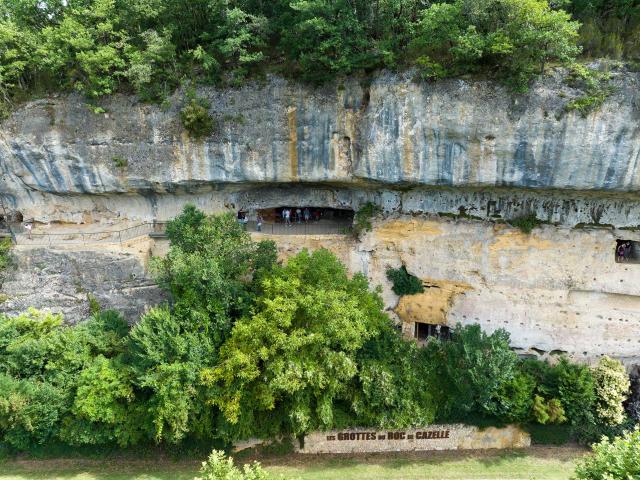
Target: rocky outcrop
[439,158]
[60,161]
[556,290]
[64,281]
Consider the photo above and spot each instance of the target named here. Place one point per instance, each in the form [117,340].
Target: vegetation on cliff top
[98,47]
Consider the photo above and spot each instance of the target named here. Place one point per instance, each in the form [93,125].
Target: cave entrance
[627,251]
[422,331]
[302,220]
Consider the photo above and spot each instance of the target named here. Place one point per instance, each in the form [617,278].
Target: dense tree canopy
[149,46]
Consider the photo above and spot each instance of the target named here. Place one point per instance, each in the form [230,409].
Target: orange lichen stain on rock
[433,304]
[407,154]
[293,142]
[395,230]
[509,239]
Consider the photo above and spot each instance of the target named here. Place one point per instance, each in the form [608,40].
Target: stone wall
[433,437]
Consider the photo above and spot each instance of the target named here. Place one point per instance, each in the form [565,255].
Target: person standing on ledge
[28,228]
[259,222]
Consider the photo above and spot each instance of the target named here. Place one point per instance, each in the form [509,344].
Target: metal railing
[158,230]
[302,228]
[79,237]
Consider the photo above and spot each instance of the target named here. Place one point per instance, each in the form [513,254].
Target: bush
[471,372]
[5,253]
[595,86]
[196,119]
[120,162]
[403,282]
[526,223]
[588,428]
[632,405]
[219,467]
[549,434]
[362,218]
[612,459]
[612,388]
[547,411]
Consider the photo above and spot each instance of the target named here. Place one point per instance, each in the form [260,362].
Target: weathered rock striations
[64,281]
[420,146]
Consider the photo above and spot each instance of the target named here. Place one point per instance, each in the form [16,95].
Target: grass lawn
[548,463]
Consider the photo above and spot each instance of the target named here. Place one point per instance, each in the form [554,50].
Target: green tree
[325,38]
[392,388]
[165,353]
[471,371]
[514,38]
[209,270]
[86,48]
[285,367]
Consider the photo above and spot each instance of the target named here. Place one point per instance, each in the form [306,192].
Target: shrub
[30,411]
[612,459]
[393,388]
[632,405]
[575,388]
[362,218]
[403,282]
[515,398]
[595,87]
[5,253]
[526,223]
[472,370]
[611,387]
[196,119]
[547,411]
[587,428]
[549,434]
[120,162]
[219,467]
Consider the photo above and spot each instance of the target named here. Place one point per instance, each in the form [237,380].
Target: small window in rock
[627,251]
[425,330]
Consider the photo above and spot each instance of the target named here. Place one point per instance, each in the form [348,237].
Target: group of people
[299,215]
[288,215]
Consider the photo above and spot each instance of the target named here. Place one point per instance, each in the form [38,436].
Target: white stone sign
[433,437]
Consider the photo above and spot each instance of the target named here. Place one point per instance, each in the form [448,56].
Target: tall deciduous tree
[289,366]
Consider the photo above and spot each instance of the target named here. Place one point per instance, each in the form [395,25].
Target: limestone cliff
[418,150]
[402,143]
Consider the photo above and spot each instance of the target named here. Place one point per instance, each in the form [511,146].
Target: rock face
[557,290]
[423,152]
[63,282]
[60,161]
